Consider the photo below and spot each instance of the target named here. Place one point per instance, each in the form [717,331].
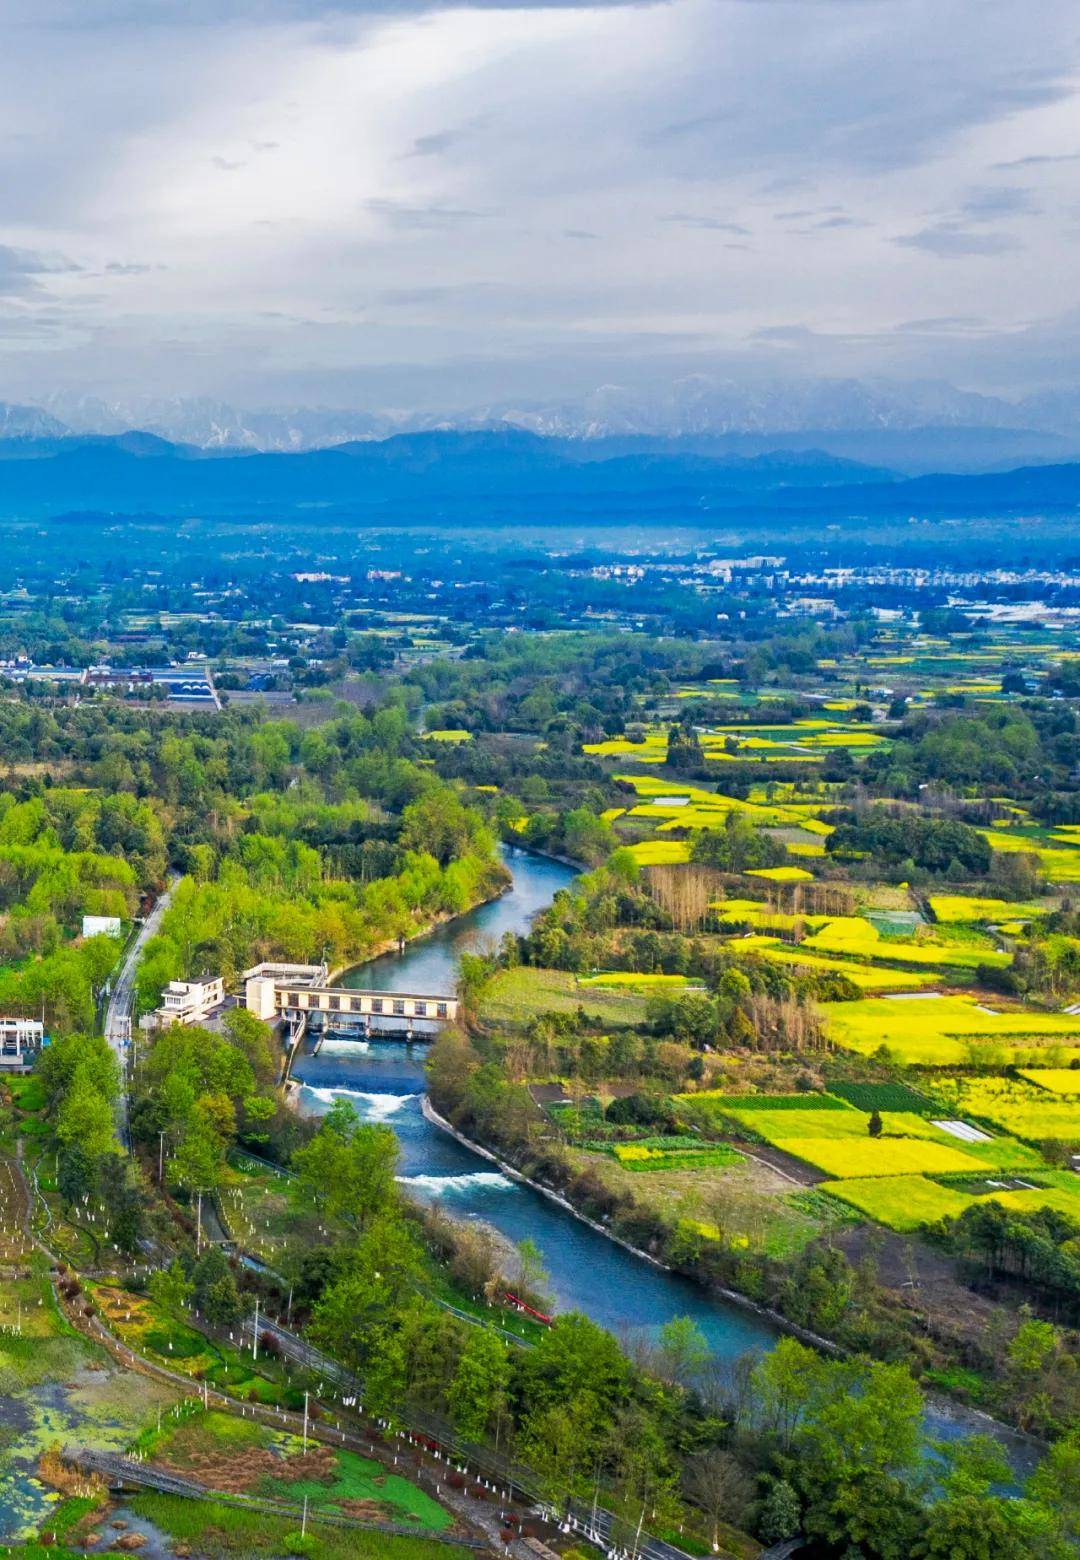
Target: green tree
[170,1288]
[348,1168]
[86,1117]
[74,1174]
[480,1383]
[683,1352]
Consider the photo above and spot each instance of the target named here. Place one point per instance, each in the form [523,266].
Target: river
[384,1080]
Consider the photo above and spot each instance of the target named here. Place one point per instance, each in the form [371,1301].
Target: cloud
[953,241]
[984,205]
[440,141]
[360,195]
[944,324]
[691,219]
[1037,160]
[400,214]
[21,269]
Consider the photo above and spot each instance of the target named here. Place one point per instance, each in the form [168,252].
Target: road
[120,1012]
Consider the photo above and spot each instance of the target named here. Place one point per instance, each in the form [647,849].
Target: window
[376,1004]
[294,999]
[420,1009]
[356,1005]
[440,1009]
[399,1005]
[335,1004]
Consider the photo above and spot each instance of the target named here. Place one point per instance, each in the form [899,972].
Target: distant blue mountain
[497,475]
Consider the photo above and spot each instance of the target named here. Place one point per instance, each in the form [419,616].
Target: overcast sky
[440,205]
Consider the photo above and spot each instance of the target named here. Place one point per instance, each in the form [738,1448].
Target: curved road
[119,1014]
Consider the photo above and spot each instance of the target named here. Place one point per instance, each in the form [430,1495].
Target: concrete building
[263,982]
[20,1040]
[101,926]
[189,1001]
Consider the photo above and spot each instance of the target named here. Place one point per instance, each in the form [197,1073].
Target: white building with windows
[189,1001]
[20,1040]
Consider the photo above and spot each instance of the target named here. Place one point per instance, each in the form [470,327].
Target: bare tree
[717,1485]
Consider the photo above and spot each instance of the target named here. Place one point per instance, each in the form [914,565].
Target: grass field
[515,996]
[1056,1080]
[219,1532]
[640,1156]
[631,980]
[175,1343]
[748,1205]
[853,935]
[244,1456]
[903,1202]
[660,853]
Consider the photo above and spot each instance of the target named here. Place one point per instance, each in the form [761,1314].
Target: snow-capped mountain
[698,406]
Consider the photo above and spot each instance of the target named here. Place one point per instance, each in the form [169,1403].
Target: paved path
[120,1014]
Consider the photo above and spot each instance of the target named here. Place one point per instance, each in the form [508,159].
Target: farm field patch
[866,976]
[872,1157]
[960,908]
[946,1031]
[515,996]
[1023,1108]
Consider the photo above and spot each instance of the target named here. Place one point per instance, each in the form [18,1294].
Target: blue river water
[384,1080]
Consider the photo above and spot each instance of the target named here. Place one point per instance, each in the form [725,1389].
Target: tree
[480,1383]
[559,1443]
[90,1056]
[973,1527]
[75,1174]
[858,1457]
[788,1382]
[170,1288]
[86,1117]
[718,1486]
[874,1125]
[576,1358]
[683,1352]
[781,1512]
[251,1036]
[197,1163]
[348,1168]
[532,1276]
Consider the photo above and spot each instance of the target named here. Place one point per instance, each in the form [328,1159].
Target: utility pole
[161,1158]
[303,1520]
[305,1420]
[255,1333]
[288,1309]
[198,1228]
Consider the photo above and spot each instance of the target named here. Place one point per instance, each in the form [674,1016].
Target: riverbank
[394,945]
[946,1416]
[732,1296]
[608,1277]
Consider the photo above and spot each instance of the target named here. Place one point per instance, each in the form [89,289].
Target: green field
[216,1531]
[515,996]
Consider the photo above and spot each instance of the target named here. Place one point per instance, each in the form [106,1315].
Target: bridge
[302,995]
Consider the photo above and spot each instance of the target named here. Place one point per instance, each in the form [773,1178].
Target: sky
[446,205]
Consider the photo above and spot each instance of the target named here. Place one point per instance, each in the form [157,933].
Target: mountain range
[913,427]
[505,477]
